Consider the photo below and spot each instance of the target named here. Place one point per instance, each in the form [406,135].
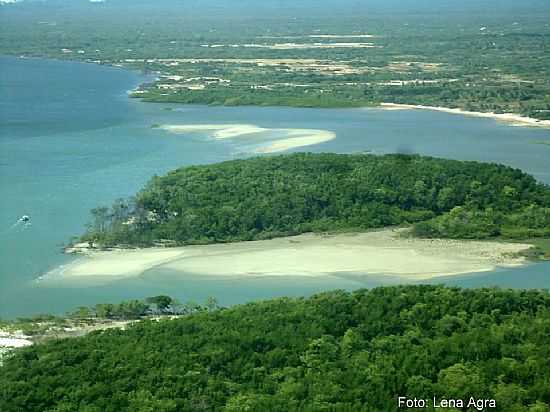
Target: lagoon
[71,139]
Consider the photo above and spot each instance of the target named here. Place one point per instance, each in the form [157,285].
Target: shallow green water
[70,140]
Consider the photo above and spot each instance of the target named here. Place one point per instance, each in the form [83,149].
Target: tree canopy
[266,197]
[335,351]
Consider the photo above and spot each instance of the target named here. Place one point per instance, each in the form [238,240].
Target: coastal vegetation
[335,351]
[267,197]
[47,326]
[315,58]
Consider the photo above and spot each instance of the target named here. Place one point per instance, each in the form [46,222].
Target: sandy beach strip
[511,118]
[118,263]
[377,253]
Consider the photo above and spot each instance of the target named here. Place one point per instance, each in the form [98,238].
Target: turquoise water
[70,140]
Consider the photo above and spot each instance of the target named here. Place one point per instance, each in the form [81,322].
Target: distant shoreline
[383,252]
[511,118]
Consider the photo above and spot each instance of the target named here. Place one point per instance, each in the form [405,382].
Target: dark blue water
[70,140]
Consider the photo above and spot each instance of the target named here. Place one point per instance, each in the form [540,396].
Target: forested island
[267,197]
[335,351]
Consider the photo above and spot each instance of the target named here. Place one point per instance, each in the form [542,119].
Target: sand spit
[279,139]
[118,263]
[383,252]
[511,118]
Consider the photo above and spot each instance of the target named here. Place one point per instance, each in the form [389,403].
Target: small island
[321,214]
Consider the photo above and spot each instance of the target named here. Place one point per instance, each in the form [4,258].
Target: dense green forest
[267,197]
[335,351]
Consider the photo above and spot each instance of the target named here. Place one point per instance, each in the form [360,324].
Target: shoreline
[381,253]
[511,118]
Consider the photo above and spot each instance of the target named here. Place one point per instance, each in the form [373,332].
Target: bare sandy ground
[297,46]
[280,139]
[379,253]
[13,339]
[513,119]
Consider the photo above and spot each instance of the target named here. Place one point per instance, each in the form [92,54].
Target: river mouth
[61,157]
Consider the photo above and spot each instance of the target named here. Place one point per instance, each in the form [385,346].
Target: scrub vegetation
[308,55]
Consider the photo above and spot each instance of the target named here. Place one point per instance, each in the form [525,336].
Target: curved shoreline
[511,118]
[383,252]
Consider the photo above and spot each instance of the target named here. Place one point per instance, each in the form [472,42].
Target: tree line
[267,197]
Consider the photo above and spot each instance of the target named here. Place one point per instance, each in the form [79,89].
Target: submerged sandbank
[218,131]
[377,253]
[302,138]
[511,118]
[279,140]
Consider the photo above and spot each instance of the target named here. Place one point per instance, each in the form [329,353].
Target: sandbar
[511,118]
[279,139]
[219,131]
[305,138]
[383,252]
[115,263]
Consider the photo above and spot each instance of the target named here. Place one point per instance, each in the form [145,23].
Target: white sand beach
[116,263]
[511,118]
[279,139]
[382,252]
